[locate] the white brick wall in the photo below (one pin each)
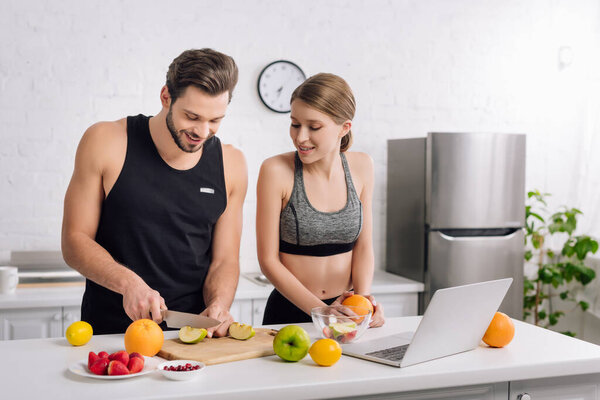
(415, 66)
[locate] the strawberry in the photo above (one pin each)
(121, 355)
(136, 354)
(100, 366)
(91, 358)
(117, 368)
(103, 354)
(136, 364)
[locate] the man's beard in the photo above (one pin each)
(177, 137)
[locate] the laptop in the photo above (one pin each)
(455, 321)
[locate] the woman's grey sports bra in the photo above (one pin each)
(307, 231)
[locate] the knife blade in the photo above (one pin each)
(178, 319)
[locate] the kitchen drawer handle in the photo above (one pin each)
(524, 396)
(68, 316)
(57, 317)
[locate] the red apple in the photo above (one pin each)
(116, 367)
(136, 364)
(92, 357)
(100, 366)
(121, 355)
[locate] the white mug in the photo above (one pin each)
(9, 278)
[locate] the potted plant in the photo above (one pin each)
(558, 272)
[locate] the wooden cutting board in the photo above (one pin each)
(221, 350)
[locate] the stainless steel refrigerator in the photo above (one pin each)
(455, 211)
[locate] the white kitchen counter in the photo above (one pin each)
(39, 369)
(61, 296)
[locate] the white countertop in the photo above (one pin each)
(64, 296)
(534, 353)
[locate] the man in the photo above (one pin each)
(153, 212)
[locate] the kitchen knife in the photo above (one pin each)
(177, 319)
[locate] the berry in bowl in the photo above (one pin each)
(181, 370)
(344, 324)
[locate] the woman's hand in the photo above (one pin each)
(342, 297)
(377, 319)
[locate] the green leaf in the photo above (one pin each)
(569, 333)
(537, 216)
(564, 295)
(526, 314)
(528, 285)
(584, 305)
(528, 255)
(542, 314)
(545, 275)
(587, 275)
(528, 302)
(553, 317)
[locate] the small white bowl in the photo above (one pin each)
(181, 375)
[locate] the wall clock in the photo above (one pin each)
(276, 83)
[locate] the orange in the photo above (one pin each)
(500, 332)
(361, 303)
(144, 336)
(325, 352)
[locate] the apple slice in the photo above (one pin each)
(190, 335)
(342, 328)
(241, 331)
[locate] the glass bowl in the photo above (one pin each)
(344, 324)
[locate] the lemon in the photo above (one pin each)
(325, 352)
(79, 333)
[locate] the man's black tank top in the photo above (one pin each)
(158, 221)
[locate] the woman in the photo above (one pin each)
(313, 219)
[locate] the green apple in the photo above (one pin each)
(190, 335)
(241, 331)
(342, 328)
(291, 343)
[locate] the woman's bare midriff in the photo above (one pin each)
(325, 277)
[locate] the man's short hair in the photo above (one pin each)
(206, 69)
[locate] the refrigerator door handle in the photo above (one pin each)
(465, 235)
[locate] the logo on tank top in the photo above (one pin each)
(207, 190)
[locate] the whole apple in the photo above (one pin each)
(291, 343)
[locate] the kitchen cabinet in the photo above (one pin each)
(34, 323)
(248, 311)
(582, 387)
(495, 391)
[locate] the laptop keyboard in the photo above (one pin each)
(391, 354)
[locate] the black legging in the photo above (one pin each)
(280, 310)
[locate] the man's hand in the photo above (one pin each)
(141, 301)
(222, 314)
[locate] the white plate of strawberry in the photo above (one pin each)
(118, 365)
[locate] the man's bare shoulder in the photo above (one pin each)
(103, 143)
(232, 153)
(106, 133)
